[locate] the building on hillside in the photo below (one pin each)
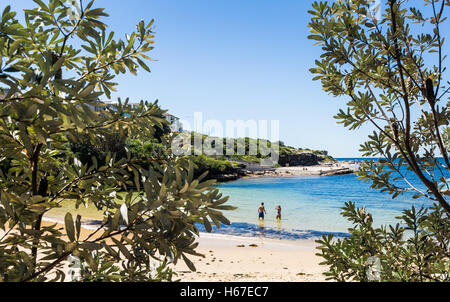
(175, 123)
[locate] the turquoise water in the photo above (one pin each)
(311, 206)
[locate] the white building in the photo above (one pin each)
(175, 123)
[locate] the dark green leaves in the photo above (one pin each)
(189, 263)
(382, 68)
(63, 149)
(417, 241)
(70, 229)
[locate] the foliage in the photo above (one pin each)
(213, 166)
(394, 80)
(415, 250)
(85, 148)
(131, 272)
(246, 149)
(147, 152)
(53, 70)
(446, 135)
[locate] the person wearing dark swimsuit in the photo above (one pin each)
(261, 211)
(278, 209)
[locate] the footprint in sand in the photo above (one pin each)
(303, 274)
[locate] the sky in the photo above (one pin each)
(234, 60)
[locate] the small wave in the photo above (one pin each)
(240, 229)
(251, 230)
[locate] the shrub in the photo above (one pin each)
(414, 250)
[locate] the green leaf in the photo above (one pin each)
(189, 263)
(78, 226)
(122, 249)
(70, 230)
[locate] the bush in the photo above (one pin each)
(214, 167)
(67, 65)
(415, 250)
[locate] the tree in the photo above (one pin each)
(395, 82)
(416, 249)
(54, 68)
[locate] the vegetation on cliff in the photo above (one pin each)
(148, 151)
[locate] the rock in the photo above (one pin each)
(300, 159)
(338, 172)
(226, 177)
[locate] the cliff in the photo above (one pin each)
(300, 159)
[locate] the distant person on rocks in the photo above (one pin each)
(278, 209)
(261, 211)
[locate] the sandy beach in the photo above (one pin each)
(320, 170)
(330, 169)
(235, 259)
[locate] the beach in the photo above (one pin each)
(335, 168)
(245, 259)
(238, 258)
(253, 251)
(324, 169)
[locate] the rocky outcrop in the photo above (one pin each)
(300, 159)
(344, 171)
(226, 177)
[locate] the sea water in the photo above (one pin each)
(311, 206)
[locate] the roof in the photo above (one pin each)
(170, 115)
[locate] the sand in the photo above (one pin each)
(236, 259)
(320, 170)
(331, 169)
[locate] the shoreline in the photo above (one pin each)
(268, 233)
(322, 170)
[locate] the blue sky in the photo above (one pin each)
(234, 60)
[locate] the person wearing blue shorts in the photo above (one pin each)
(261, 211)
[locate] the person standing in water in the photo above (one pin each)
(278, 209)
(261, 211)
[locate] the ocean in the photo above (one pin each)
(311, 206)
